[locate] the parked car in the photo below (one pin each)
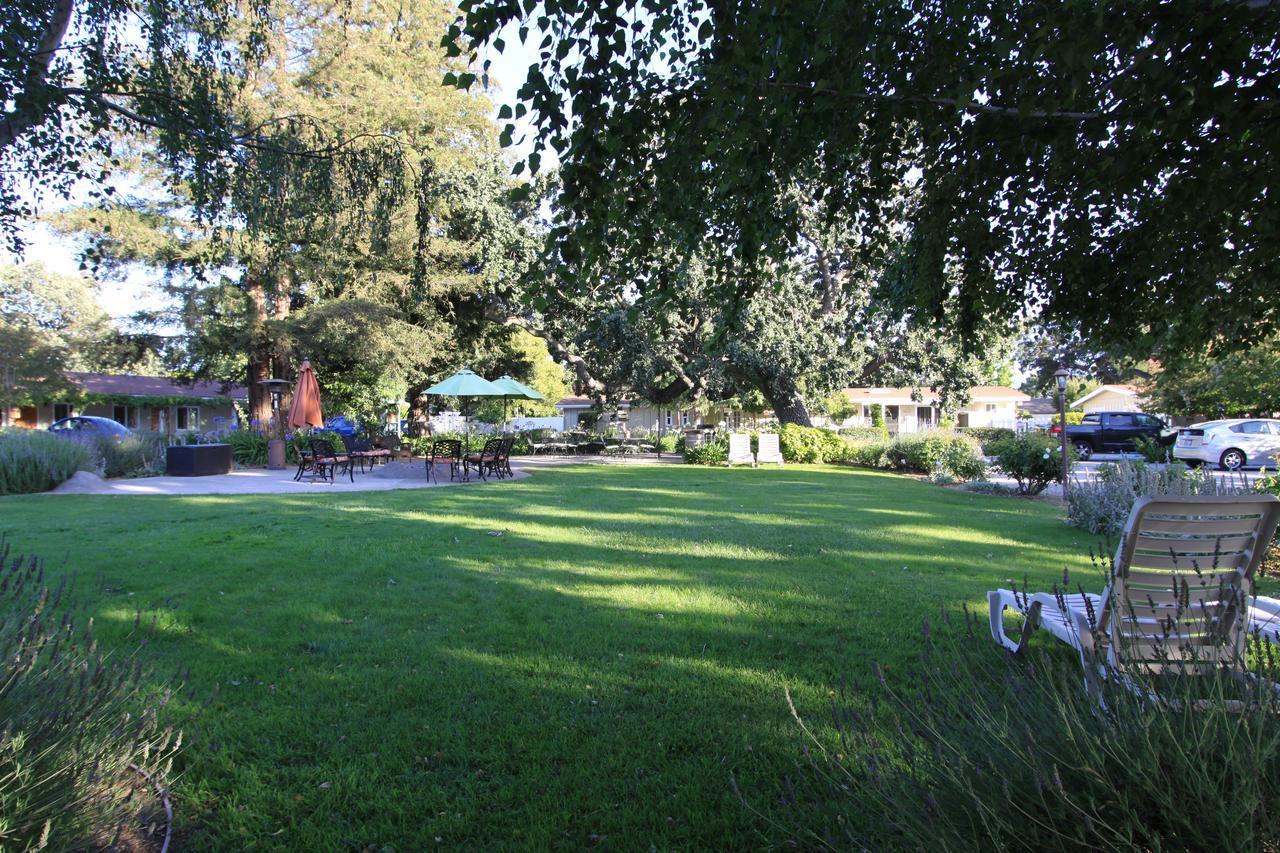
(82, 427)
(1232, 444)
(1112, 432)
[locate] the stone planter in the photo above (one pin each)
(197, 460)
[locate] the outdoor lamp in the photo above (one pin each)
(1062, 375)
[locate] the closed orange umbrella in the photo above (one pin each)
(305, 410)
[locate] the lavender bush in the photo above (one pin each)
(78, 726)
(976, 749)
(36, 461)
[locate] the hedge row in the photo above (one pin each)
(920, 453)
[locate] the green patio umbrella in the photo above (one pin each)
(514, 390)
(464, 383)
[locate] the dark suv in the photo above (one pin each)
(1112, 432)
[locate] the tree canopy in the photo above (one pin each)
(1103, 165)
(376, 269)
(74, 73)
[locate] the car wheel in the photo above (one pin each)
(1232, 460)
(1083, 449)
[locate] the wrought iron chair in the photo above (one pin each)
(328, 463)
(445, 450)
(484, 461)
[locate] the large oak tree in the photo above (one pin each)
(1105, 165)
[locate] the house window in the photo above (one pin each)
(61, 410)
(684, 419)
(125, 415)
(991, 407)
(668, 419)
(188, 417)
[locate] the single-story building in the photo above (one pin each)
(148, 403)
(1039, 411)
(988, 406)
(1110, 398)
(580, 413)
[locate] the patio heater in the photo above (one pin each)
(275, 445)
(1062, 375)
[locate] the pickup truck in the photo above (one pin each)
(1111, 432)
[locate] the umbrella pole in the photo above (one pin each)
(504, 415)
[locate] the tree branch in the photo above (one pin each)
(29, 107)
(956, 103)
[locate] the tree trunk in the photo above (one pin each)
(259, 355)
(787, 401)
(282, 359)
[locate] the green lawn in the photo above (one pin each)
(388, 671)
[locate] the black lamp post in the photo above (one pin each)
(1061, 375)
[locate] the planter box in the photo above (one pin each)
(197, 460)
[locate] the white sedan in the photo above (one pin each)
(1232, 444)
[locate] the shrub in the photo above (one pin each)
(868, 433)
(811, 445)
(36, 461)
(248, 447)
(1152, 450)
(976, 749)
(668, 442)
(77, 721)
(1033, 460)
(987, 436)
(139, 454)
(935, 451)
(1102, 506)
(714, 451)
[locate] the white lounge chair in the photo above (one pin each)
(1264, 618)
(1179, 590)
(740, 450)
(769, 450)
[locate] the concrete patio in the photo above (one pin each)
(393, 475)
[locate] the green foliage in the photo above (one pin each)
(1032, 459)
(871, 433)
(63, 313)
(811, 444)
(139, 454)
(935, 451)
(75, 718)
(1152, 450)
(1231, 385)
(1268, 483)
(248, 447)
(364, 353)
(72, 76)
(877, 415)
(530, 363)
(975, 749)
(36, 460)
(860, 94)
(714, 451)
(987, 435)
(838, 407)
